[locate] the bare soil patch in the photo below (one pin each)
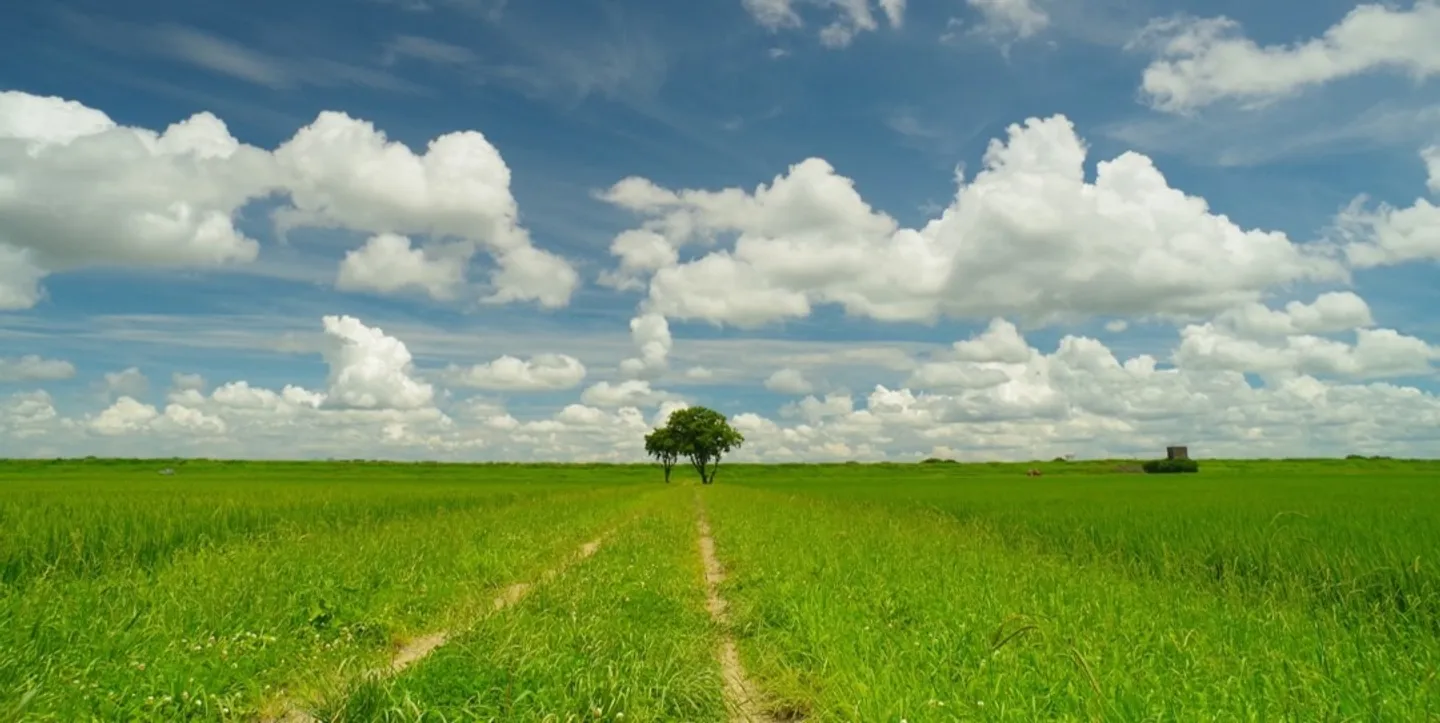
(741, 696)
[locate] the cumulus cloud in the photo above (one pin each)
(27, 416)
(369, 369)
(1202, 61)
(651, 334)
(641, 252)
(1330, 312)
(1030, 237)
(345, 173)
(849, 18)
(543, 372)
(128, 416)
(387, 264)
(32, 367)
(1386, 235)
(789, 381)
(1080, 396)
(124, 416)
(1376, 353)
(1251, 382)
(77, 190)
(629, 393)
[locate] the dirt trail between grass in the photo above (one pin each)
(742, 698)
(418, 648)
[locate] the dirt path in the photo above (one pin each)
(741, 696)
(418, 648)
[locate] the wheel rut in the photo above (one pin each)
(418, 648)
(742, 697)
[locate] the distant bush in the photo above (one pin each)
(1170, 466)
(1363, 457)
(937, 460)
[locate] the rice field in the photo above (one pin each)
(1295, 590)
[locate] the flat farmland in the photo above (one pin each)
(1268, 590)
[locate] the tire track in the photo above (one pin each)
(419, 648)
(742, 698)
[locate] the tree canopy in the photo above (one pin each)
(699, 434)
(661, 445)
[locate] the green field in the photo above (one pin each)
(1265, 591)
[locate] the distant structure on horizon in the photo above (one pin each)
(1177, 453)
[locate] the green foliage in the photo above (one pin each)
(128, 595)
(962, 594)
(663, 445)
(1170, 466)
(700, 434)
(623, 637)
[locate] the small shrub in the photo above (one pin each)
(1171, 466)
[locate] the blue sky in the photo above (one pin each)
(576, 97)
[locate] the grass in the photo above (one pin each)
(1289, 590)
(225, 620)
(624, 637)
(1258, 592)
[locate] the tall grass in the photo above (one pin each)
(268, 577)
(876, 597)
(84, 518)
(1356, 538)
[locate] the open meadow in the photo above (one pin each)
(1265, 590)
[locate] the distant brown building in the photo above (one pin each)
(1177, 453)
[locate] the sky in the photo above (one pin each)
(862, 229)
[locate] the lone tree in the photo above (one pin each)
(661, 445)
(701, 435)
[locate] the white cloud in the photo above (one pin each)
(32, 367)
(1011, 18)
(789, 381)
(1202, 61)
(128, 416)
(987, 397)
(345, 173)
(370, 370)
(1029, 237)
(387, 264)
(629, 393)
(1377, 353)
(851, 17)
(77, 190)
(641, 252)
(130, 382)
(651, 334)
(1386, 236)
(125, 416)
(26, 416)
(543, 372)
(1330, 312)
